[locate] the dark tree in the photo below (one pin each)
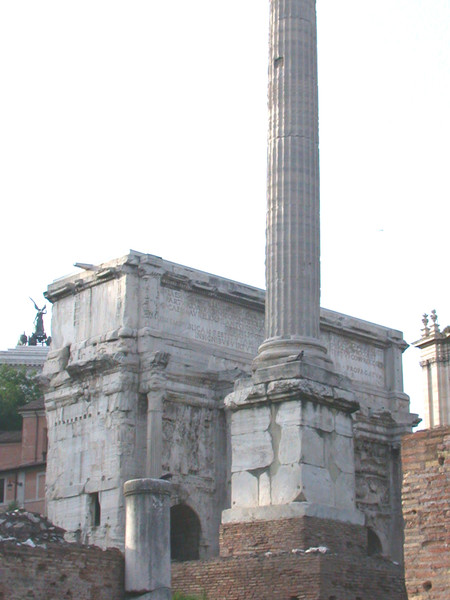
(17, 387)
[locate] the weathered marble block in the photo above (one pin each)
(289, 450)
(313, 447)
(245, 490)
(264, 489)
(341, 453)
(286, 484)
(251, 420)
(319, 417)
(293, 450)
(252, 451)
(289, 413)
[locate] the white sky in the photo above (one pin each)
(142, 124)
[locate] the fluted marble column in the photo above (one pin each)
(293, 244)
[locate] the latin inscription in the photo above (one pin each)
(358, 361)
(150, 299)
(212, 321)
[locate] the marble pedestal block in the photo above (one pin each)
(147, 538)
(292, 446)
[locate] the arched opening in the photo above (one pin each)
(184, 533)
(374, 547)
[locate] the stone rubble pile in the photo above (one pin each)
(29, 529)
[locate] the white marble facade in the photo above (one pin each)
(140, 330)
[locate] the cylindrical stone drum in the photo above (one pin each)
(147, 538)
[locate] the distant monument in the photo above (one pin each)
(38, 336)
(434, 346)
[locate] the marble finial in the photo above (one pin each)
(425, 329)
(435, 328)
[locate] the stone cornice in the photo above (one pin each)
(435, 340)
(74, 285)
(176, 276)
(382, 427)
(442, 359)
(364, 331)
(292, 389)
(250, 297)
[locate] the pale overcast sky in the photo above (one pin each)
(142, 124)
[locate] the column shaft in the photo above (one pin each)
(154, 434)
(293, 244)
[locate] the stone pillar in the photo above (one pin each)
(153, 384)
(154, 433)
(147, 539)
(293, 244)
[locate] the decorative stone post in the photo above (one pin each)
(147, 538)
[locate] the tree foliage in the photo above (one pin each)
(17, 387)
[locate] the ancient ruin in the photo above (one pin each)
(269, 434)
(142, 334)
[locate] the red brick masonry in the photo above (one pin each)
(288, 576)
(426, 511)
(61, 572)
(257, 562)
(88, 573)
(288, 534)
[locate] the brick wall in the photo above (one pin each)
(287, 576)
(60, 572)
(72, 572)
(261, 560)
(287, 534)
(426, 511)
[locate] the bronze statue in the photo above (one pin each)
(23, 339)
(39, 334)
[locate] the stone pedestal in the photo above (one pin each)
(292, 446)
(147, 538)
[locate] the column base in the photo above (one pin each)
(292, 348)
